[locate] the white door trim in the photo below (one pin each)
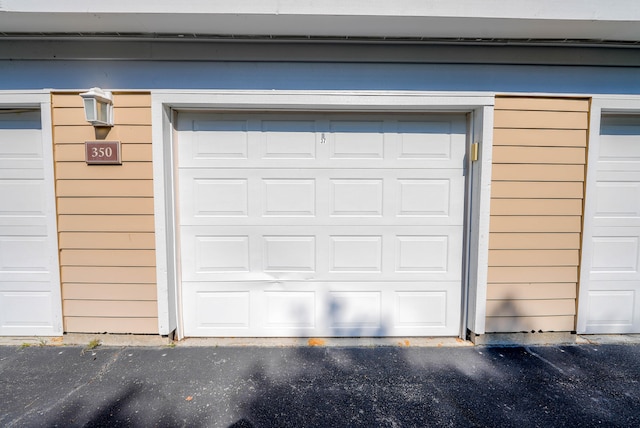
(41, 100)
(599, 105)
(480, 105)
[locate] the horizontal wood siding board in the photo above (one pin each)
(531, 291)
(120, 99)
(536, 224)
(108, 258)
(111, 308)
(530, 324)
(537, 172)
(527, 274)
(536, 189)
(528, 308)
(106, 223)
(97, 188)
(540, 119)
(74, 134)
(536, 207)
(130, 152)
(68, 100)
(108, 274)
(131, 115)
(131, 99)
(69, 116)
(542, 103)
(539, 155)
(105, 205)
(534, 241)
(92, 291)
(534, 257)
(540, 137)
(132, 325)
(121, 116)
(107, 241)
(126, 171)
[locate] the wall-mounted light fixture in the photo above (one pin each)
(98, 107)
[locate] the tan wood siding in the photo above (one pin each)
(117, 274)
(105, 218)
(130, 152)
(94, 324)
(106, 223)
(97, 188)
(536, 207)
(135, 134)
(542, 190)
(539, 137)
(112, 241)
(82, 171)
(535, 155)
(111, 308)
(532, 291)
(541, 103)
(536, 223)
(536, 213)
(530, 324)
(534, 241)
(105, 205)
(534, 257)
(91, 291)
(108, 258)
(524, 172)
(540, 119)
(121, 115)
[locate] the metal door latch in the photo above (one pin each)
(474, 151)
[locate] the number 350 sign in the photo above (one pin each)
(102, 152)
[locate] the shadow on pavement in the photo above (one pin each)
(246, 387)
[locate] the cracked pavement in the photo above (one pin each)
(535, 386)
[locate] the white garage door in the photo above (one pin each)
(29, 279)
(610, 303)
(321, 225)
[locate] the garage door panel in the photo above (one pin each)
(228, 252)
(26, 197)
(612, 308)
(29, 279)
(18, 169)
(615, 254)
(321, 224)
(24, 258)
(610, 300)
(26, 312)
(310, 309)
(233, 141)
(617, 205)
(20, 142)
(264, 196)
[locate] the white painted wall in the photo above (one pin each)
(545, 19)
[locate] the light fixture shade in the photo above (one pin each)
(98, 107)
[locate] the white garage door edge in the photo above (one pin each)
(600, 105)
(41, 100)
(164, 104)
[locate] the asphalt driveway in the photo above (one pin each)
(551, 386)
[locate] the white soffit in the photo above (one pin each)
(508, 19)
